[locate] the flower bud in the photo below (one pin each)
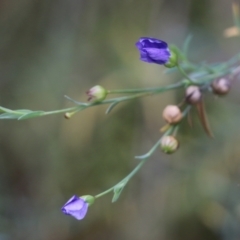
(172, 62)
(156, 51)
(68, 115)
(75, 207)
(97, 93)
(221, 86)
(193, 95)
(88, 199)
(169, 144)
(172, 114)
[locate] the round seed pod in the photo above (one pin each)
(169, 144)
(172, 114)
(221, 86)
(193, 95)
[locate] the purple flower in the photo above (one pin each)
(75, 207)
(153, 50)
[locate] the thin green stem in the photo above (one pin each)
(137, 168)
(146, 90)
(72, 109)
(156, 145)
(137, 93)
(126, 179)
(185, 74)
(203, 76)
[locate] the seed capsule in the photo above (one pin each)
(172, 114)
(193, 95)
(169, 144)
(221, 86)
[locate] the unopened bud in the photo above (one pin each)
(169, 144)
(193, 95)
(221, 86)
(97, 93)
(68, 115)
(172, 114)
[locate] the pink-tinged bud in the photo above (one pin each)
(97, 93)
(169, 144)
(221, 86)
(172, 114)
(193, 95)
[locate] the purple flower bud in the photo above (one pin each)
(75, 207)
(153, 50)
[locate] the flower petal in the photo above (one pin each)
(153, 50)
(75, 207)
(160, 56)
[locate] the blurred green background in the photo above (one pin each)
(50, 48)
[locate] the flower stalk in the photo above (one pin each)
(196, 80)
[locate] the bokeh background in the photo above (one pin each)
(50, 48)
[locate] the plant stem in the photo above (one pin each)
(126, 179)
(185, 74)
(138, 167)
(150, 90)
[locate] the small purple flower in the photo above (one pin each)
(153, 50)
(75, 207)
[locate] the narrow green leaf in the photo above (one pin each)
(111, 106)
(118, 190)
(74, 101)
(22, 111)
(9, 116)
(3, 109)
(186, 44)
(31, 115)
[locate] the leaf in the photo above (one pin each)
(3, 109)
(109, 109)
(186, 44)
(23, 111)
(31, 115)
(118, 190)
(20, 114)
(76, 102)
(9, 116)
(20, 111)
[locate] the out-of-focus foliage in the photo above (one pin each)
(54, 47)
